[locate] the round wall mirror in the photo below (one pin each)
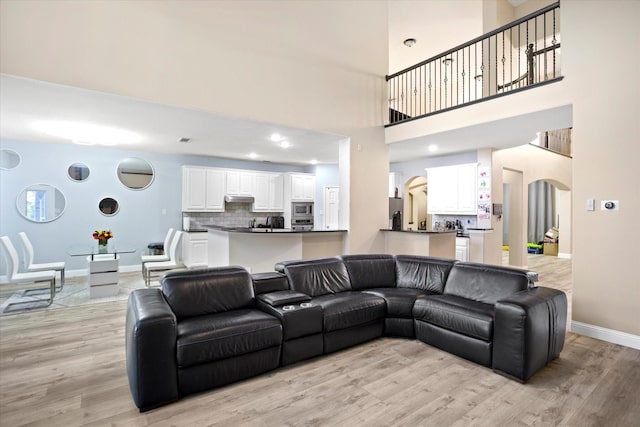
(78, 172)
(135, 173)
(41, 203)
(109, 206)
(9, 159)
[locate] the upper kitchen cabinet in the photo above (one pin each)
(240, 183)
(268, 189)
(452, 190)
(203, 189)
(301, 187)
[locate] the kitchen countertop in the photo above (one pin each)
(248, 230)
(420, 231)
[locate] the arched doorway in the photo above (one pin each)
(415, 204)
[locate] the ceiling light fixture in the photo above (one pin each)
(275, 137)
(410, 42)
(432, 148)
(478, 77)
(313, 162)
(252, 155)
(285, 144)
(184, 139)
(447, 61)
(87, 133)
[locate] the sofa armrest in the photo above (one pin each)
(528, 332)
(151, 349)
(278, 298)
(269, 282)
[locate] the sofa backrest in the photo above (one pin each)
(485, 283)
(207, 291)
(370, 271)
(316, 277)
(423, 272)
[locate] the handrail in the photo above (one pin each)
(477, 39)
(480, 69)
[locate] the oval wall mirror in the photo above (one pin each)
(41, 203)
(108, 206)
(135, 173)
(78, 172)
(9, 159)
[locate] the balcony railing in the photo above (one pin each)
(518, 56)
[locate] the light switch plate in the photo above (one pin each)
(591, 204)
(610, 205)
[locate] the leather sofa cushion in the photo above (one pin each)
(370, 271)
(207, 291)
(471, 318)
(485, 283)
(422, 272)
(399, 300)
(316, 277)
(218, 336)
(348, 309)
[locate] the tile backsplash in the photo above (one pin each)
(468, 221)
(235, 215)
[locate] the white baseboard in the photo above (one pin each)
(564, 255)
(604, 334)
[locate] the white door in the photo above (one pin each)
(331, 208)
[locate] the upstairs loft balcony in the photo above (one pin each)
(519, 56)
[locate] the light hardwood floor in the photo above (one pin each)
(66, 367)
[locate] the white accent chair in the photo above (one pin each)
(30, 266)
(159, 258)
(29, 277)
(154, 267)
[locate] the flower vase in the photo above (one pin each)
(102, 246)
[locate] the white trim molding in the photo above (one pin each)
(604, 334)
(564, 255)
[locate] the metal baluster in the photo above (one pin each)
(544, 23)
(553, 42)
(511, 58)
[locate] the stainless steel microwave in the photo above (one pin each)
(302, 209)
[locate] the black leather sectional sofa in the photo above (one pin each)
(210, 327)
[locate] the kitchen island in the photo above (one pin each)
(259, 249)
(431, 243)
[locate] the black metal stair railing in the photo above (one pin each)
(518, 56)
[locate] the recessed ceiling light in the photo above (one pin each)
(184, 139)
(87, 133)
(285, 144)
(409, 42)
(313, 162)
(275, 137)
(432, 148)
(252, 155)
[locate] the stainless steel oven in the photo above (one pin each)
(302, 216)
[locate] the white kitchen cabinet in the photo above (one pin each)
(240, 183)
(195, 249)
(452, 190)
(268, 192)
(462, 248)
(302, 187)
(203, 189)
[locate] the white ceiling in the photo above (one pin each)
(25, 101)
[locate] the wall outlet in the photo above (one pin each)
(610, 205)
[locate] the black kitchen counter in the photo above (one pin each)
(258, 230)
(419, 231)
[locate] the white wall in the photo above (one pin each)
(317, 65)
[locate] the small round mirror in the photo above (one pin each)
(41, 203)
(9, 159)
(109, 206)
(78, 172)
(135, 173)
